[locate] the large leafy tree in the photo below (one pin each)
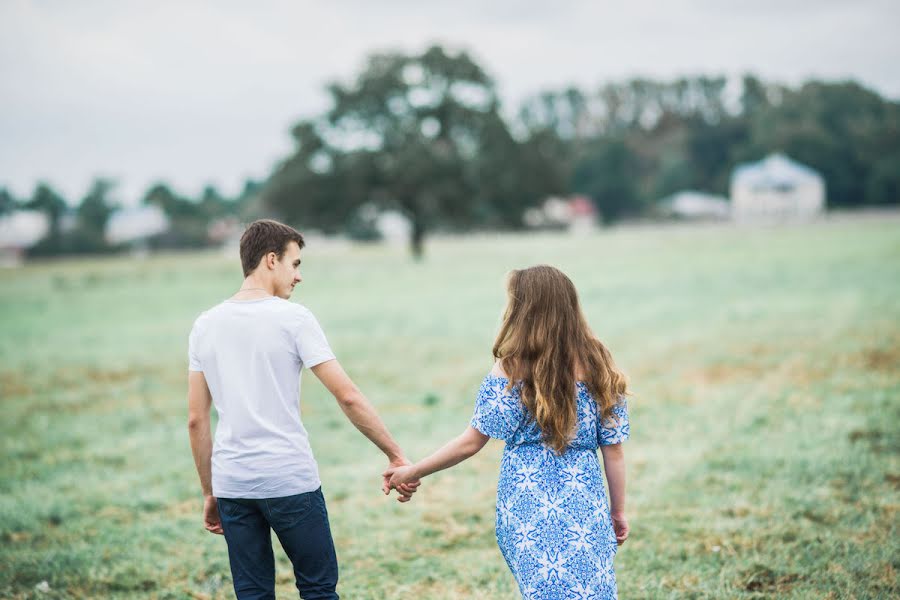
(421, 133)
(317, 184)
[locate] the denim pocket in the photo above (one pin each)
(288, 511)
(227, 507)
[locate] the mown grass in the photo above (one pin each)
(765, 450)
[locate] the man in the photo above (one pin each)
(245, 356)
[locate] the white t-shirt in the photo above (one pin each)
(251, 354)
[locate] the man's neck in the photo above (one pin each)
(253, 287)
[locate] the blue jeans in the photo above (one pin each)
(301, 524)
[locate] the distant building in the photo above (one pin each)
(583, 214)
(19, 231)
(695, 206)
(576, 213)
(776, 189)
(135, 225)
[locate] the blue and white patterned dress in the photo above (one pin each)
(553, 522)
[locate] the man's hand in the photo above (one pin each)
(407, 489)
(398, 477)
(211, 520)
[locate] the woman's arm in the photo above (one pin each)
(614, 467)
(465, 445)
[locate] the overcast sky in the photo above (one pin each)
(197, 92)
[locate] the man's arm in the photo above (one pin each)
(363, 416)
(199, 404)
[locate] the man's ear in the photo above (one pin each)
(271, 259)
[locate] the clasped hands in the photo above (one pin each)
(400, 476)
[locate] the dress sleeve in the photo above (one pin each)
(616, 429)
(498, 412)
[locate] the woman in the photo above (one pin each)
(554, 395)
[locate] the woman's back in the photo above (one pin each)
(502, 410)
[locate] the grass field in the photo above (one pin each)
(765, 451)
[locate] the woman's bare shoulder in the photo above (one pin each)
(497, 369)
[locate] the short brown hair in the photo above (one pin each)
(264, 236)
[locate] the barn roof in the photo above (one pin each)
(774, 171)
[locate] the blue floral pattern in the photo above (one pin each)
(553, 523)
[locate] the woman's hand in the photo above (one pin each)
(399, 476)
(620, 526)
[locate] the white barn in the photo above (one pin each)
(776, 189)
(20, 230)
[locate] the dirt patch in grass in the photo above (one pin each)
(185, 508)
(877, 440)
(885, 360)
(761, 578)
(12, 383)
(97, 375)
(716, 374)
(27, 382)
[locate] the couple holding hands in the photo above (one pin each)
(554, 396)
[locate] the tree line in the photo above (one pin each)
(425, 134)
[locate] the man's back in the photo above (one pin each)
(260, 476)
(251, 353)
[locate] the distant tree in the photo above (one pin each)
(96, 206)
(566, 113)
(607, 174)
(187, 222)
(755, 95)
(214, 205)
(8, 202)
(161, 195)
(46, 200)
(711, 152)
(88, 235)
(883, 182)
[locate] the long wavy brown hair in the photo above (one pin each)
(544, 344)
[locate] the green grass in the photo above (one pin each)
(765, 451)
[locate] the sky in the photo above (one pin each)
(197, 92)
